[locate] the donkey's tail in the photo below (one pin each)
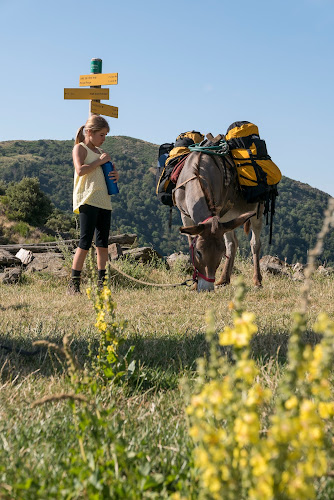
(247, 226)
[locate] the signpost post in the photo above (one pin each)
(95, 93)
(95, 68)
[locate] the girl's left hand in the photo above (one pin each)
(114, 174)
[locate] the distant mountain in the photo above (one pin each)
(299, 207)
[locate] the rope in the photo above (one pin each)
(221, 149)
(150, 284)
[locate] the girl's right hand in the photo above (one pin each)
(104, 158)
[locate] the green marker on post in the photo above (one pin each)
(96, 66)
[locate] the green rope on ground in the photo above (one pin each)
(221, 149)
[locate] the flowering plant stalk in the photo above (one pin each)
(239, 453)
(110, 364)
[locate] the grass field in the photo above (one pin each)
(138, 446)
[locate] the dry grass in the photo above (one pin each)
(42, 309)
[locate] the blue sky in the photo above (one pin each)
(182, 65)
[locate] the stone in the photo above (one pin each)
(115, 251)
(144, 254)
(48, 262)
(11, 275)
(273, 265)
(7, 259)
(180, 261)
(325, 271)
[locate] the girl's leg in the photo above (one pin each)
(101, 237)
(101, 240)
(102, 257)
(79, 259)
(88, 216)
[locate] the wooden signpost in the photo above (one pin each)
(98, 79)
(86, 93)
(103, 109)
(95, 93)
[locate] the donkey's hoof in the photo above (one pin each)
(221, 283)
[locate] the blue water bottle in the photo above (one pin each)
(111, 183)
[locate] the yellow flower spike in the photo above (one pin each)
(307, 354)
(259, 464)
(326, 410)
(246, 369)
(323, 323)
(225, 473)
(226, 337)
(194, 432)
(291, 403)
(307, 409)
(257, 395)
(201, 457)
(318, 353)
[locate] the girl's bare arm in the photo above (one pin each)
(79, 155)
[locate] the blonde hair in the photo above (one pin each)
(94, 124)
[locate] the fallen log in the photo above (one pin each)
(55, 246)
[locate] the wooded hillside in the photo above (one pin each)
(299, 210)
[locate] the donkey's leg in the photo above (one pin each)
(231, 244)
(255, 244)
(187, 221)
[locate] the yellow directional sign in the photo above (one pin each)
(98, 79)
(86, 93)
(104, 109)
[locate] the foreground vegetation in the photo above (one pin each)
(80, 421)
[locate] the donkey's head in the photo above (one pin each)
(208, 247)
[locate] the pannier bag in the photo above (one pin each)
(169, 156)
(258, 175)
(162, 180)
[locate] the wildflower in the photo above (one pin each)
(247, 428)
(246, 370)
(326, 410)
(323, 324)
(291, 403)
(242, 332)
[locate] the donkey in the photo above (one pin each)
(211, 205)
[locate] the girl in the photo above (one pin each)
(90, 196)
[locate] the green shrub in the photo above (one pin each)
(26, 202)
(22, 228)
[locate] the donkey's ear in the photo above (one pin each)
(192, 230)
(238, 221)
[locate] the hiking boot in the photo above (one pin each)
(74, 286)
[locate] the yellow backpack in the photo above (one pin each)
(196, 137)
(258, 175)
(181, 144)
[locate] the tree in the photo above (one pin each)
(25, 201)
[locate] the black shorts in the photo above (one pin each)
(94, 219)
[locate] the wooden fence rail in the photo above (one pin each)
(55, 246)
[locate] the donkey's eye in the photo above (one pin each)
(198, 254)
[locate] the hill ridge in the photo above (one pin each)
(297, 221)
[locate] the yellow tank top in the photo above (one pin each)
(90, 189)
